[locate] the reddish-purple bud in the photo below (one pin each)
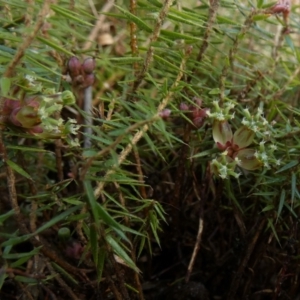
(74, 66)
(88, 65)
(74, 250)
(89, 80)
(198, 116)
(9, 106)
(197, 101)
(165, 113)
(279, 8)
(184, 107)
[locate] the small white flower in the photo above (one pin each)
(264, 156)
(220, 116)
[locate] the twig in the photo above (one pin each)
(112, 145)
(140, 173)
(196, 249)
(148, 59)
(133, 37)
(212, 14)
(233, 50)
(141, 132)
(29, 12)
(201, 199)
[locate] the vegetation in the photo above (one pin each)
(149, 150)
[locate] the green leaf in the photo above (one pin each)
(179, 36)
(6, 215)
(20, 255)
(92, 200)
(54, 46)
(260, 17)
(281, 203)
(18, 169)
(70, 15)
(99, 212)
(288, 166)
(121, 252)
(165, 63)
(131, 17)
(215, 91)
(23, 148)
(56, 219)
(111, 222)
(64, 273)
(271, 225)
(101, 261)
(17, 240)
(5, 84)
(260, 3)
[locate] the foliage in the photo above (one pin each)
(126, 127)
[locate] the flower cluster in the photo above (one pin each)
(234, 146)
(195, 113)
(81, 74)
(36, 114)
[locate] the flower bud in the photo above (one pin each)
(88, 65)
(198, 116)
(74, 250)
(183, 106)
(74, 66)
(88, 80)
(165, 113)
(197, 101)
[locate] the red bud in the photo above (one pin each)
(74, 66)
(88, 65)
(88, 80)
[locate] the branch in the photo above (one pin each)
(144, 129)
